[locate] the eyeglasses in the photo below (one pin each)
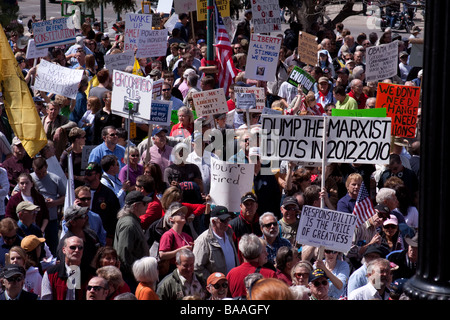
(96, 288)
(15, 279)
(291, 209)
(134, 155)
(76, 247)
(301, 275)
(330, 251)
(318, 283)
(164, 90)
(218, 285)
(85, 199)
(271, 224)
(112, 134)
(390, 226)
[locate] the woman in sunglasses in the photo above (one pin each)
(337, 271)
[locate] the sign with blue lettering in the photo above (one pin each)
(262, 58)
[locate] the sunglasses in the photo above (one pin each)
(330, 251)
(318, 283)
(96, 288)
(164, 90)
(218, 285)
(271, 224)
(85, 199)
(76, 247)
(300, 275)
(134, 155)
(15, 279)
(390, 226)
(112, 134)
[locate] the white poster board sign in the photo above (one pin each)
(164, 6)
(322, 227)
(266, 16)
(262, 58)
(54, 32)
(33, 52)
(152, 43)
(349, 139)
(119, 61)
(382, 61)
(53, 78)
(170, 23)
(229, 182)
(210, 102)
(259, 94)
(134, 22)
(186, 6)
(129, 88)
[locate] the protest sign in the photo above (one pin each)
(376, 112)
(229, 181)
(300, 76)
(57, 79)
(332, 230)
(146, 7)
(187, 6)
(202, 9)
(381, 61)
(164, 6)
(54, 32)
(210, 102)
(307, 48)
(349, 140)
(266, 16)
(152, 43)
(33, 52)
(129, 88)
(416, 56)
(402, 105)
(245, 101)
(170, 23)
(157, 89)
(259, 94)
(119, 61)
(262, 58)
(160, 112)
(134, 22)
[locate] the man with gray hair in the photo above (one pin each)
(271, 233)
(251, 249)
(387, 198)
(356, 92)
(371, 103)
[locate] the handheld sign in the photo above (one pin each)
(160, 112)
(54, 32)
(152, 43)
(307, 48)
(259, 94)
(229, 181)
(33, 52)
(134, 22)
(262, 58)
(210, 102)
(376, 112)
(57, 79)
(119, 61)
(164, 6)
(181, 6)
(202, 10)
(326, 228)
(245, 101)
(402, 105)
(300, 76)
(382, 61)
(266, 16)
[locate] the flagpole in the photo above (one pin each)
(322, 182)
(210, 33)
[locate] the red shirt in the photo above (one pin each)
(231, 105)
(236, 277)
(361, 100)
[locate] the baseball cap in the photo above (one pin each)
(16, 141)
(221, 212)
(316, 274)
(323, 79)
(26, 205)
(289, 200)
(215, 277)
(201, 41)
(73, 212)
(93, 166)
(392, 220)
(11, 270)
(249, 196)
(382, 209)
(136, 196)
(29, 243)
(158, 130)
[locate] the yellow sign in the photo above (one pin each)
(202, 8)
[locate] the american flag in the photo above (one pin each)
(224, 53)
(363, 207)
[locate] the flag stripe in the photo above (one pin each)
(363, 207)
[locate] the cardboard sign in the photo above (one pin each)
(402, 105)
(152, 43)
(33, 52)
(164, 6)
(134, 91)
(119, 61)
(377, 113)
(382, 61)
(349, 140)
(300, 76)
(266, 16)
(202, 10)
(321, 227)
(186, 6)
(53, 78)
(210, 102)
(160, 112)
(307, 48)
(134, 22)
(54, 32)
(229, 182)
(262, 58)
(259, 94)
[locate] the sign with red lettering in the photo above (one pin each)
(134, 22)
(402, 104)
(266, 16)
(262, 58)
(54, 32)
(210, 102)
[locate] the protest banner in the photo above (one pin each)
(134, 22)
(210, 102)
(330, 229)
(376, 112)
(402, 105)
(349, 140)
(262, 58)
(202, 9)
(131, 89)
(187, 6)
(57, 79)
(152, 43)
(259, 94)
(266, 16)
(381, 61)
(164, 6)
(229, 181)
(307, 48)
(54, 32)
(160, 112)
(33, 52)
(119, 61)
(300, 76)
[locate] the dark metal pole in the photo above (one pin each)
(102, 18)
(43, 10)
(432, 278)
(210, 33)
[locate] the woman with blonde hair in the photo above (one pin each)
(33, 279)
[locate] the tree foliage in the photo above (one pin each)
(118, 5)
(9, 11)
